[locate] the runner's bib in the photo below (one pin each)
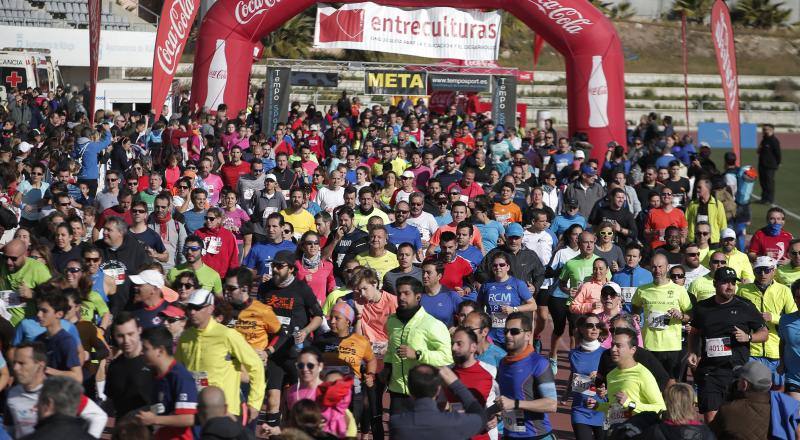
(248, 193)
(581, 382)
(200, 379)
(616, 414)
(514, 420)
(379, 348)
(627, 293)
(718, 347)
(499, 319)
(285, 320)
(657, 320)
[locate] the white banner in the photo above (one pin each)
(467, 34)
(70, 47)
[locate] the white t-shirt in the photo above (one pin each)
(328, 198)
(425, 224)
(541, 243)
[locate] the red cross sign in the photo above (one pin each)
(14, 78)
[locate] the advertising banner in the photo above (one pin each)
(315, 79)
(459, 83)
(94, 53)
(722, 35)
(277, 93)
(395, 82)
(469, 34)
(504, 101)
(173, 31)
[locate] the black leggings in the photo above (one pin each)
(588, 432)
(559, 311)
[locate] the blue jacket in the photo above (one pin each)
(86, 151)
(783, 416)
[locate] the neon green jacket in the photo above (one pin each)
(716, 218)
(777, 300)
(422, 332)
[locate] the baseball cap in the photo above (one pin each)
(725, 274)
(705, 144)
(284, 257)
(314, 127)
(151, 277)
(757, 374)
(201, 298)
(500, 128)
(271, 177)
(612, 144)
(514, 230)
(765, 261)
(173, 312)
(441, 197)
(36, 132)
(586, 169)
(727, 233)
(24, 147)
(570, 202)
(409, 174)
(611, 286)
(580, 154)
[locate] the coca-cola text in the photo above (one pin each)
(721, 39)
(217, 74)
(570, 19)
(168, 52)
(246, 10)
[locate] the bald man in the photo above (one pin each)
(666, 306)
(217, 422)
(20, 274)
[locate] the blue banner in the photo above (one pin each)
(718, 134)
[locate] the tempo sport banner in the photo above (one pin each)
(468, 34)
(277, 102)
(722, 35)
(395, 82)
(450, 82)
(504, 101)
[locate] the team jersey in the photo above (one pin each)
(176, 390)
(508, 213)
(512, 292)
(660, 331)
(256, 323)
(527, 376)
(344, 354)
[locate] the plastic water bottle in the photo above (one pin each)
(298, 346)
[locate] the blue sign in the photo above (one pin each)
(718, 134)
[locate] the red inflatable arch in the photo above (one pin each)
(582, 34)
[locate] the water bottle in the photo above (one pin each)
(298, 346)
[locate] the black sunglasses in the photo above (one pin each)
(514, 331)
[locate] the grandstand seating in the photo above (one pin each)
(56, 13)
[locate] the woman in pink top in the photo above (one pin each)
(235, 216)
(587, 300)
(611, 297)
(311, 268)
(309, 367)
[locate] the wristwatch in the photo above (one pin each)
(418, 354)
(516, 404)
(631, 405)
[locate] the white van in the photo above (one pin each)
(23, 68)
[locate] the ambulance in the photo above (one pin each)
(23, 68)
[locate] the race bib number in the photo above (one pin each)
(379, 348)
(677, 200)
(285, 193)
(463, 198)
(616, 414)
(514, 420)
(117, 273)
(718, 347)
(248, 193)
(214, 245)
(581, 383)
(10, 298)
(627, 293)
(268, 212)
(210, 189)
(284, 320)
(499, 319)
(657, 320)
(200, 379)
(702, 218)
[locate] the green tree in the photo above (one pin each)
(621, 11)
(762, 14)
(292, 40)
(696, 10)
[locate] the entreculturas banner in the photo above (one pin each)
(468, 34)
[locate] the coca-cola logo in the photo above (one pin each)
(246, 10)
(570, 19)
(721, 40)
(179, 22)
(218, 74)
(597, 91)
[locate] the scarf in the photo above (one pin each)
(288, 281)
(590, 346)
(311, 263)
(162, 225)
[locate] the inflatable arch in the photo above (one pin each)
(232, 29)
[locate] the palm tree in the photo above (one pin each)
(292, 40)
(763, 14)
(696, 10)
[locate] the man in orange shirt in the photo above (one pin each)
(459, 213)
(659, 219)
(255, 320)
(506, 211)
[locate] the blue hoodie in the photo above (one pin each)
(86, 151)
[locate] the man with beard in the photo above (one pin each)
(250, 184)
(299, 313)
(415, 338)
(691, 262)
(261, 254)
(672, 248)
(169, 228)
(367, 209)
(421, 219)
(477, 376)
(723, 329)
(342, 237)
(122, 255)
(735, 258)
(648, 185)
(255, 320)
(300, 218)
(450, 174)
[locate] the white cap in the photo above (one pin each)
(24, 147)
(580, 154)
(613, 286)
(201, 298)
(765, 261)
(408, 173)
(705, 144)
(314, 127)
(151, 277)
(727, 233)
(271, 177)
